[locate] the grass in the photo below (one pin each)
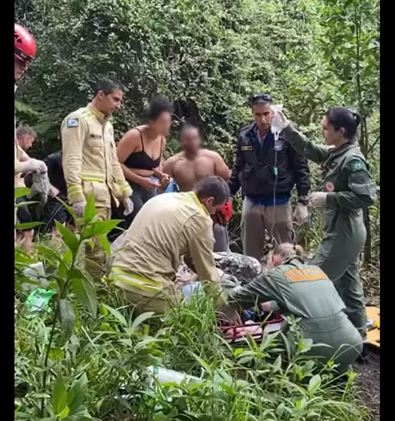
(266, 381)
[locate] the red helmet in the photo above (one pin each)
(224, 213)
(24, 44)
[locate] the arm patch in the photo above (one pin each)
(72, 122)
(356, 165)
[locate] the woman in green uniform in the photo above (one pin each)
(347, 189)
(306, 292)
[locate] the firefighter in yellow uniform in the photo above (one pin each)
(169, 226)
(90, 163)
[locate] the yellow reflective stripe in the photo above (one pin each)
(134, 280)
(149, 281)
(125, 188)
(92, 178)
(75, 192)
(74, 188)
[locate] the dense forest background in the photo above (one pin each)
(209, 57)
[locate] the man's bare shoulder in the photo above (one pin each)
(210, 154)
(175, 158)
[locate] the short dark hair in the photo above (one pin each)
(343, 117)
(25, 130)
(157, 106)
(261, 99)
(212, 186)
(186, 127)
(107, 86)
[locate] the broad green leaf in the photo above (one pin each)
(300, 403)
(59, 395)
(66, 316)
(66, 262)
(21, 191)
(76, 394)
(86, 292)
(100, 228)
(115, 313)
(64, 414)
(27, 225)
(105, 244)
(277, 364)
(69, 238)
(49, 253)
(314, 384)
(141, 319)
(90, 210)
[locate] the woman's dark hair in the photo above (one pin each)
(158, 106)
(343, 117)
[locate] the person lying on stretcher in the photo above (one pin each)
(295, 288)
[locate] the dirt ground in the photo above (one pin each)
(368, 383)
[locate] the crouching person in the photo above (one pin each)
(307, 293)
(168, 227)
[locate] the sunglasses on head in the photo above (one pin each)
(262, 97)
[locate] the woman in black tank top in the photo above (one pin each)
(140, 153)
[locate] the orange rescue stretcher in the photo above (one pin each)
(373, 325)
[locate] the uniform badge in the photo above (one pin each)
(246, 148)
(329, 186)
(72, 122)
(356, 166)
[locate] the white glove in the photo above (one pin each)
(318, 199)
(128, 206)
(301, 213)
(79, 208)
(279, 121)
(34, 165)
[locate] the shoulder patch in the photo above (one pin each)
(356, 165)
(72, 122)
(303, 274)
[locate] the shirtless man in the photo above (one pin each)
(193, 164)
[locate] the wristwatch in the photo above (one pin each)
(304, 200)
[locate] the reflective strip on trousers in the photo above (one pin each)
(135, 281)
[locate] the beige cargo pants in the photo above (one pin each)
(255, 219)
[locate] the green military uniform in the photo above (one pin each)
(91, 166)
(350, 188)
(306, 292)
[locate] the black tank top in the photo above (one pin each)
(140, 160)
